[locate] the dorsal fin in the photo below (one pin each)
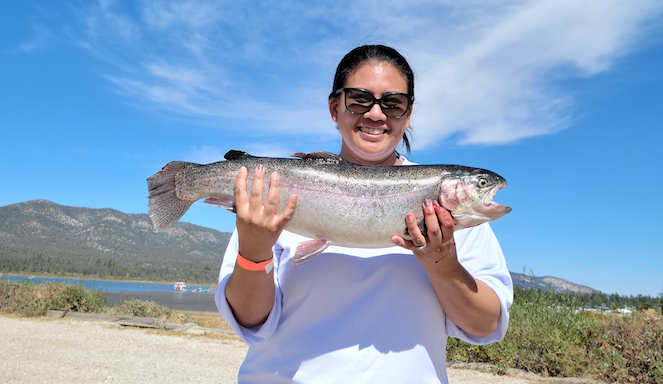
(320, 156)
(235, 154)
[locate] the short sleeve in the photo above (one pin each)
(481, 255)
(265, 330)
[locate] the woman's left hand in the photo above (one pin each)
(437, 247)
(468, 302)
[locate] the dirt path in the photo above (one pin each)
(64, 351)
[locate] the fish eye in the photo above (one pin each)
(483, 183)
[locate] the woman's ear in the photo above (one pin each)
(333, 109)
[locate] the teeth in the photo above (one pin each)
(372, 131)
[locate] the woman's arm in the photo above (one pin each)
(469, 302)
(251, 293)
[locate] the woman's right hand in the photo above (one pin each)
(259, 225)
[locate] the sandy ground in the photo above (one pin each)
(65, 351)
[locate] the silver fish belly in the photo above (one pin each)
(338, 202)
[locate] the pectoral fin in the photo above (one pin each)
(309, 249)
(221, 203)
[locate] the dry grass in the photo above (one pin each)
(208, 319)
(552, 338)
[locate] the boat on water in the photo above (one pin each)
(180, 286)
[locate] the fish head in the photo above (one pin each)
(468, 196)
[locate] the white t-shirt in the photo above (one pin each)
(353, 315)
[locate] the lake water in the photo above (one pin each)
(113, 286)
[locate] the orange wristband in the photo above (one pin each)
(249, 265)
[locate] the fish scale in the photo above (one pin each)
(338, 202)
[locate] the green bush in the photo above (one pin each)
(27, 299)
(550, 336)
(135, 307)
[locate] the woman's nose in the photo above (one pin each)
(375, 113)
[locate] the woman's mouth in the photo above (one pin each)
(372, 131)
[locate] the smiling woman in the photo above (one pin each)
(361, 315)
(370, 135)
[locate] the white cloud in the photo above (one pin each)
(500, 86)
(486, 70)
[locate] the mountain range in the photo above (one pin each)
(39, 236)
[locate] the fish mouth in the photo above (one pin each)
(372, 131)
(491, 207)
(490, 195)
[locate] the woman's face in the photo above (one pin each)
(371, 138)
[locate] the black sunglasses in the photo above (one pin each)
(359, 101)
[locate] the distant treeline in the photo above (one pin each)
(595, 299)
(27, 260)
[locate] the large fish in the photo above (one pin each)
(338, 202)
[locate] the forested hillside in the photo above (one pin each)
(43, 237)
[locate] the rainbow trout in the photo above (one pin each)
(338, 202)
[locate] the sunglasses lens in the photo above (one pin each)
(360, 102)
(394, 105)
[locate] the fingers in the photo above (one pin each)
(398, 240)
(241, 199)
(255, 201)
(253, 206)
(273, 199)
(417, 237)
(289, 208)
(272, 195)
(258, 224)
(432, 224)
(438, 228)
(446, 222)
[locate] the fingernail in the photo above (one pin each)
(409, 218)
(435, 203)
(261, 167)
(275, 176)
(242, 169)
(426, 203)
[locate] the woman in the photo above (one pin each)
(360, 315)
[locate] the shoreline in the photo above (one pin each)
(88, 277)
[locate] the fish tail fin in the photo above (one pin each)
(165, 208)
(306, 250)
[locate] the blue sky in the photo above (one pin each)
(564, 98)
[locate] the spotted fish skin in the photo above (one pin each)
(338, 202)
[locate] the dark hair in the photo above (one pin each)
(378, 53)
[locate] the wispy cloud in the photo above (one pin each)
(487, 71)
(500, 87)
(38, 41)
